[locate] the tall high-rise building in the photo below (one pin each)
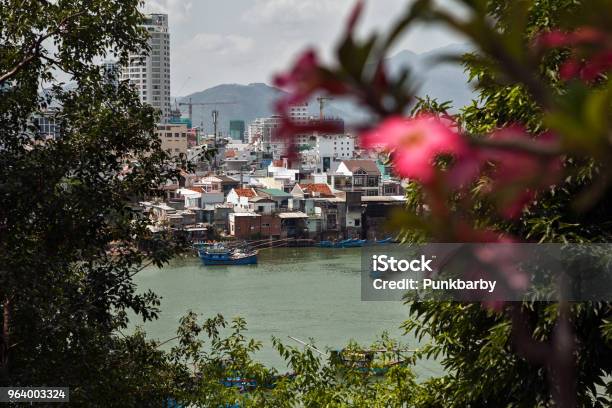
(151, 73)
(237, 129)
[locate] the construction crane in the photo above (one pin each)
(321, 100)
(215, 117)
(192, 104)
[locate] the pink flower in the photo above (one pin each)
(585, 63)
(415, 143)
(597, 65)
(304, 79)
(570, 69)
(554, 39)
(559, 38)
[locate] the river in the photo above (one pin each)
(300, 292)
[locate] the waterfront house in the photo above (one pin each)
(219, 216)
(293, 224)
(353, 216)
(326, 210)
(243, 225)
(249, 225)
(376, 212)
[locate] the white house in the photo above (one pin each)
(239, 198)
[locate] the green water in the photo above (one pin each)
(301, 292)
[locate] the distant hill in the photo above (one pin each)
(252, 101)
(442, 81)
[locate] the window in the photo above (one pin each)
(357, 223)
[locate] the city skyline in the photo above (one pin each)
(212, 43)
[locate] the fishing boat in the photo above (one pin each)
(365, 361)
(384, 241)
(352, 243)
(374, 362)
(325, 244)
(221, 255)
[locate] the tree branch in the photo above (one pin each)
(521, 146)
(34, 50)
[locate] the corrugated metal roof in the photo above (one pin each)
(292, 215)
(383, 199)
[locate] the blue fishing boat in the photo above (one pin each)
(352, 243)
(347, 243)
(221, 255)
(384, 241)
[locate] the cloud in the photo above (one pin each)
(289, 12)
(177, 10)
(219, 44)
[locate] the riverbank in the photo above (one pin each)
(300, 292)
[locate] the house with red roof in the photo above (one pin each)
(312, 190)
(239, 198)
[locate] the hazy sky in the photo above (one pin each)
(243, 41)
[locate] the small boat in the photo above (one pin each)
(243, 384)
(347, 243)
(352, 243)
(325, 244)
(384, 241)
(221, 255)
(364, 361)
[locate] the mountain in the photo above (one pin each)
(442, 81)
(251, 101)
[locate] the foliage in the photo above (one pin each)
(70, 239)
(528, 160)
(533, 166)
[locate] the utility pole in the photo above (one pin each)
(215, 117)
